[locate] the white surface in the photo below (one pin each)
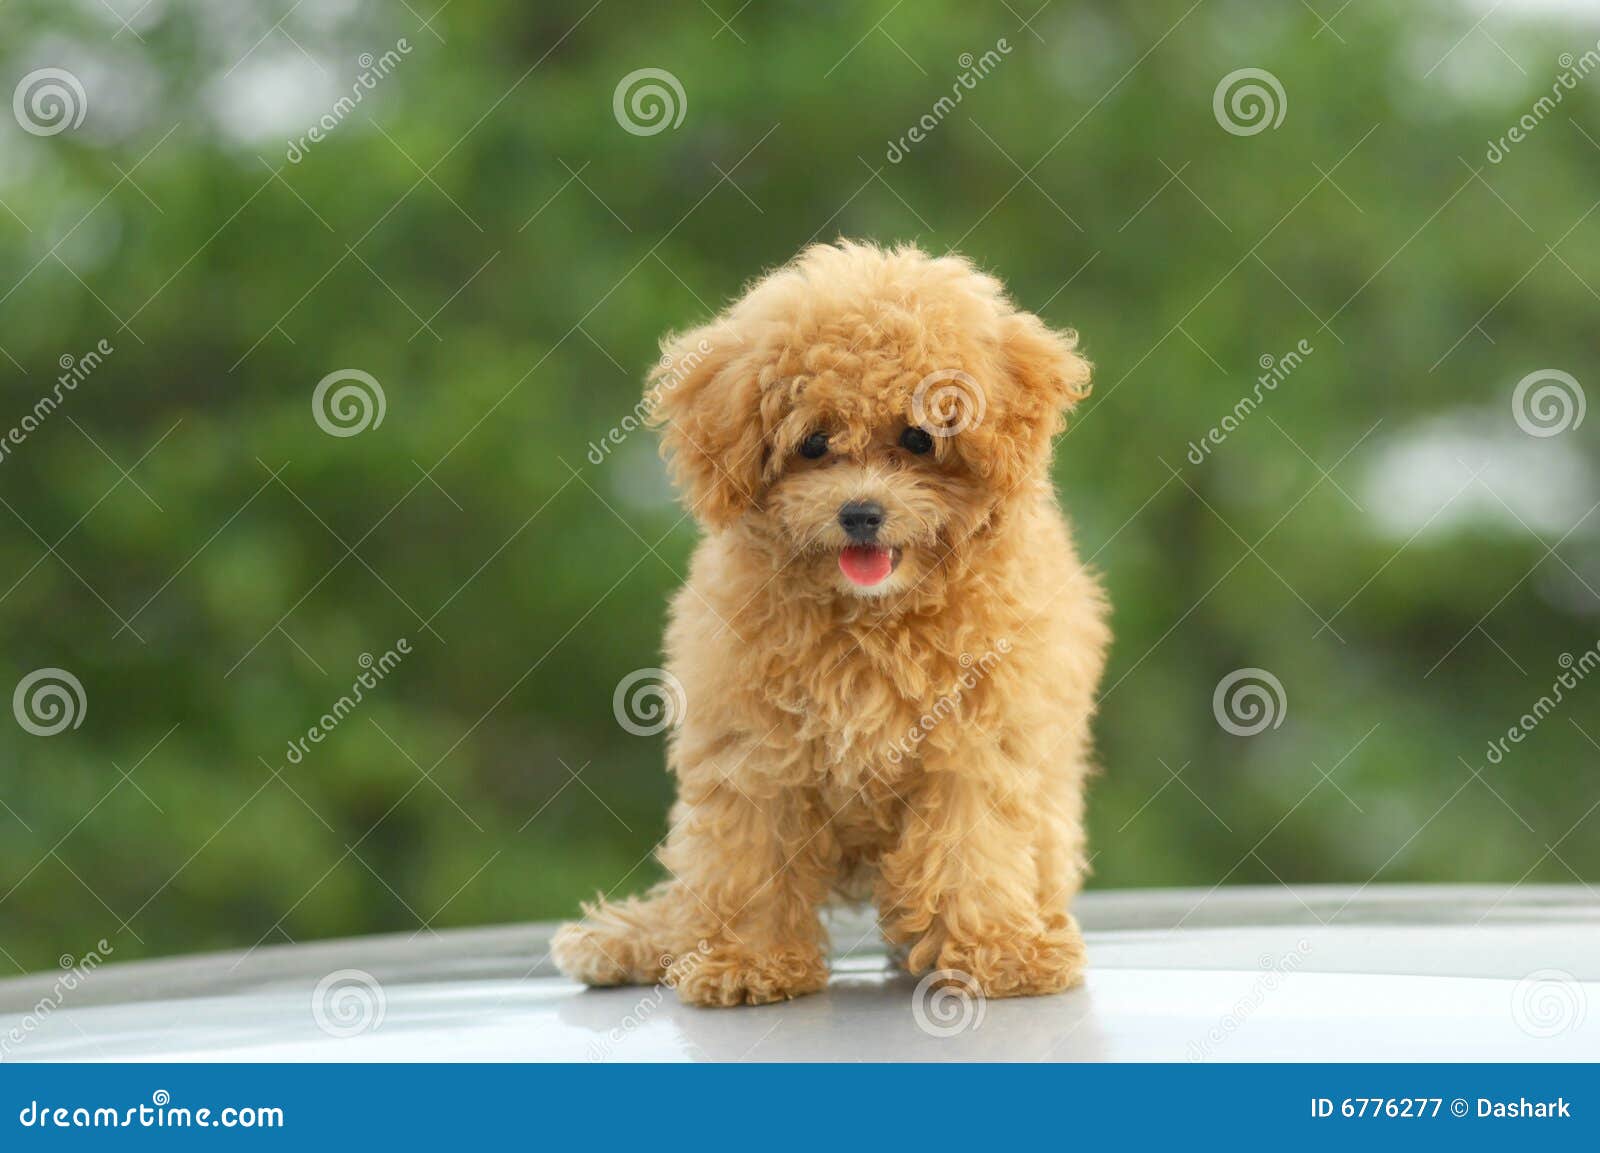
(1440, 974)
(1120, 1015)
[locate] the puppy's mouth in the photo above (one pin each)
(867, 565)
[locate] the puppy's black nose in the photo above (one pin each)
(861, 519)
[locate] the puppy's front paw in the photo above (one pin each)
(728, 974)
(1025, 965)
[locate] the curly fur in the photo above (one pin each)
(842, 740)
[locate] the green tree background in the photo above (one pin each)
(482, 235)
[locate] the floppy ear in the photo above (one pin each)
(1044, 377)
(705, 397)
(1051, 377)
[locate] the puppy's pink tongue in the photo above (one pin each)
(864, 564)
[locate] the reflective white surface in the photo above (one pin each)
(1395, 974)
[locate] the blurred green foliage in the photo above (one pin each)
(483, 237)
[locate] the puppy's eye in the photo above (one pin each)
(915, 440)
(814, 446)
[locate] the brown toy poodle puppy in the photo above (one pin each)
(888, 646)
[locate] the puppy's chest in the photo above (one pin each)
(864, 707)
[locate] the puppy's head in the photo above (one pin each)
(866, 411)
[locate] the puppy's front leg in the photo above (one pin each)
(962, 890)
(752, 867)
(749, 864)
